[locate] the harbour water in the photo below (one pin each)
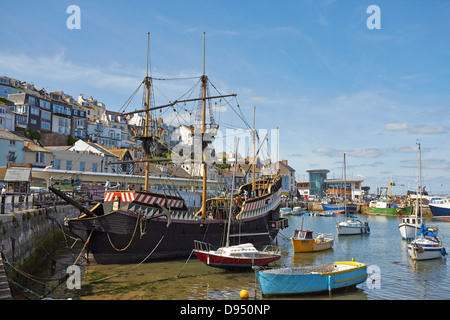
(396, 277)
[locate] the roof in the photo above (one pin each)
(34, 147)
(8, 135)
(284, 167)
(18, 174)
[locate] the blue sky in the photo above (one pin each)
(312, 68)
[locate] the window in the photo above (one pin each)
(12, 142)
(94, 167)
(32, 101)
(45, 125)
(35, 111)
(68, 164)
(82, 166)
(40, 157)
(46, 115)
(58, 164)
(44, 104)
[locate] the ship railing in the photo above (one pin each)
(272, 249)
(202, 246)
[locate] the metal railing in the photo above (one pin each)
(16, 202)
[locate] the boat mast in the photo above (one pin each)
(205, 170)
(419, 186)
(147, 117)
(254, 138)
(231, 196)
(345, 189)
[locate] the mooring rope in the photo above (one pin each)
(134, 267)
(85, 244)
(132, 237)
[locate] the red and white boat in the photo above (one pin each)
(236, 257)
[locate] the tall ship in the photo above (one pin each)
(142, 225)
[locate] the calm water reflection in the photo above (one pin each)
(382, 250)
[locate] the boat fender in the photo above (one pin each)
(419, 249)
(443, 251)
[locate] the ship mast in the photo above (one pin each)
(147, 117)
(205, 169)
(253, 138)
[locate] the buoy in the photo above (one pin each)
(243, 294)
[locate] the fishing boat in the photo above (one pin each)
(386, 207)
(339, 208)
(310, 241)
(140, 225)
(440, 207)
(311, 279)
(285, 211)
(351, 225)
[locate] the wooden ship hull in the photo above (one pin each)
(143, 231)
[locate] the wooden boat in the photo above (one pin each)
(138, 226)
(236, 257)
(309, 241)
(311, 279)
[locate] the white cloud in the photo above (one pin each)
(57, 68)
(415, 129)
(371, 152)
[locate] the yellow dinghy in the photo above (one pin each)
(309, 241)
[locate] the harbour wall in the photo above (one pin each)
(27, 237)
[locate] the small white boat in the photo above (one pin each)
(352, 226)
(298, 211)
(411, 225)
(236, 257)
(285, 211)
(427, 247)
(327, 214)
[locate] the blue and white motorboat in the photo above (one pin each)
(311, 279)
(440, 207)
